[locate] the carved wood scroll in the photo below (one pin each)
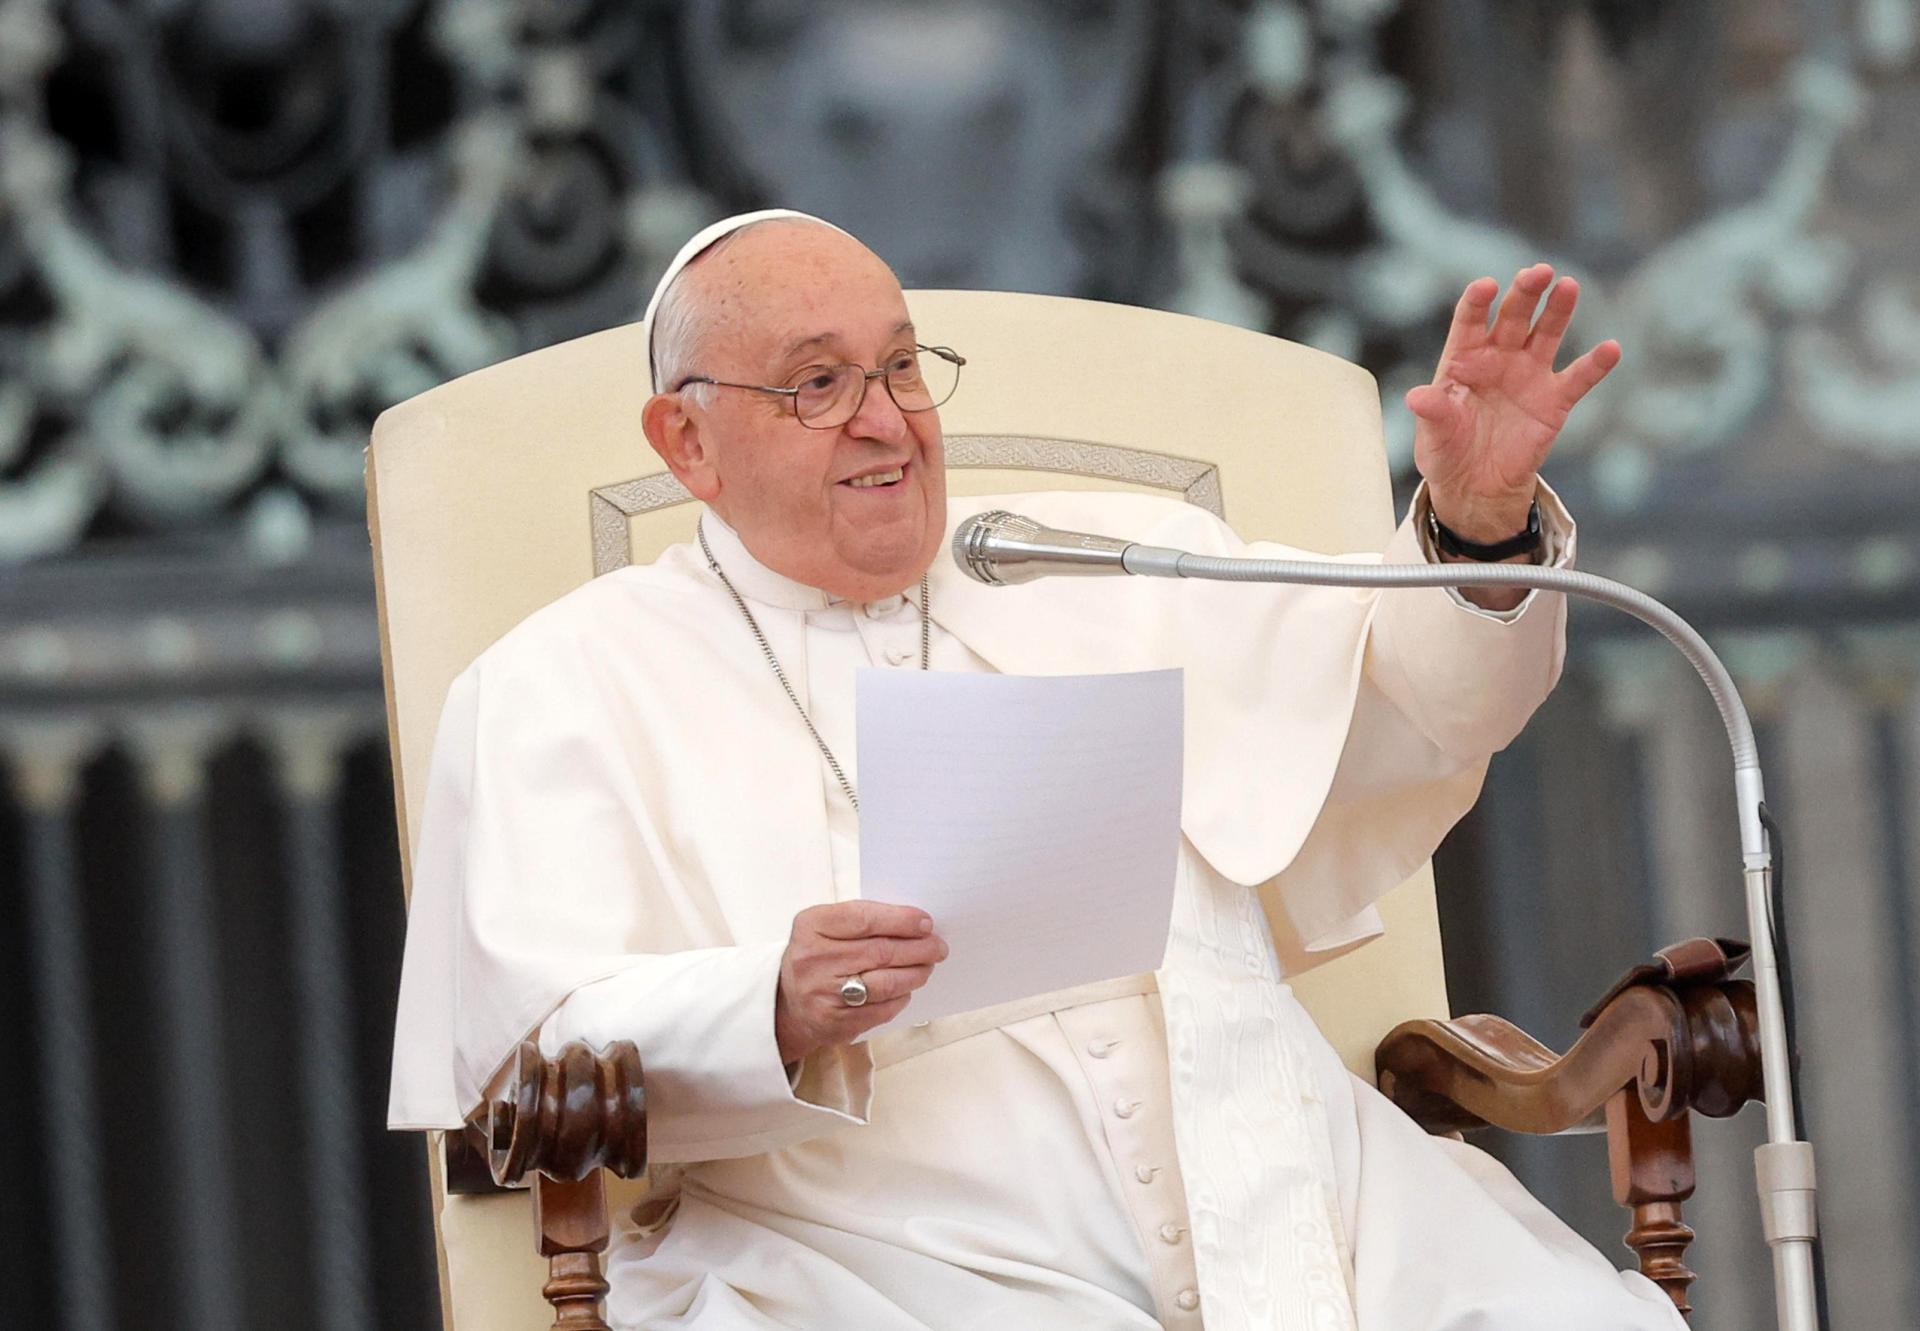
(1675, 1037)
(559, 1121)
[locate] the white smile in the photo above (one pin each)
(878, 478)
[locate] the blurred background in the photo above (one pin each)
(231, 231)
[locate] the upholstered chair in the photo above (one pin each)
(496, 493)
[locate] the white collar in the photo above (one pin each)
(757, 582)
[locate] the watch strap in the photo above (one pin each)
(1527, 542)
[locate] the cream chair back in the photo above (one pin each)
(492, 495)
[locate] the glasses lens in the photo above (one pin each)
(921, 380)
(826, 396)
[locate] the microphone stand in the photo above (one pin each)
(1783, 1166)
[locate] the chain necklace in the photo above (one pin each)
(781, 675)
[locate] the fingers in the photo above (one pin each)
(811, 1015)
(1578, 379)
(1516, 308)
(864, 919)
(894, 982)
(1544, 342)
(1513, 325)
(1432, 403)
(881, 953)
(1469, 326)
(848, 1023)
(893, 950)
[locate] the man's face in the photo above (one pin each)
(781, 301)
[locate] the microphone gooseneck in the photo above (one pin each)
(1000, 548)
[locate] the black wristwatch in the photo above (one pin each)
(1528, 542)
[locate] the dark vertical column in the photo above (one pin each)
(1848, 987)
(172, 756)
(309, 752)
(1900, 809)
(46, 777)
(1522, 985)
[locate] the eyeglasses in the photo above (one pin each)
(828, 396)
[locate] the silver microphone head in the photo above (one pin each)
(1000, 548)
(974, 539)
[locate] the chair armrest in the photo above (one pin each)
(557, 1123)
(565, 1117)
(1688, 1043)
(1675, 1037)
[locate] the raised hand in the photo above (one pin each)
(1485, 424)
(892, 948)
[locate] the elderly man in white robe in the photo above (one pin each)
(642, 824)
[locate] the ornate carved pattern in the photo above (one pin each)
(1196, 482)
(200, 312)
(1651, 1163)
(229, 235)
(567, 1116)
(557, 1123)
(571, 1221)
(1360, 197)
(249, 235)
(611, 506)
(811, 104)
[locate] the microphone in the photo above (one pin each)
(1000, 548)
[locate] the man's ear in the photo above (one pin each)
(677, 438)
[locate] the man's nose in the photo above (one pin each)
(879, 416)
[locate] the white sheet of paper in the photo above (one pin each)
(1037, 819)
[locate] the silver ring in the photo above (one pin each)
(853, 991)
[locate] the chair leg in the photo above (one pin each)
(1652, 1168)
(571, 1223)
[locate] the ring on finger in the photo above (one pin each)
(853, 991)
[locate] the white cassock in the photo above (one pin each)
(625, 813)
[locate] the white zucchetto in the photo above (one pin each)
(703, 240)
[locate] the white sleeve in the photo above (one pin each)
(537, 913)
(1465, 679)
(1446, 684)
(703, 1023)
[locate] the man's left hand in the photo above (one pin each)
(1487, 421)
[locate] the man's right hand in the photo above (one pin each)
(892, 948)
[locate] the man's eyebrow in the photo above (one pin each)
(793, 349)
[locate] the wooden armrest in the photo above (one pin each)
(1678, 1036)
(562, 1118)
(566, 1116)
(1680, 1030)
(557, 1123)
(1690, 1049)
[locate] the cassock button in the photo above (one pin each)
(1125, 1108)
(1170, 1233)
(897, 655)
(1187, 1300)
(1145, 1173)
(1101, 1048)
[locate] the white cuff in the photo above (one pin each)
(703, 1022)
(1556, 533)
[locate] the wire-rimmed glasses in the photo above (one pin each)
(828, 396)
